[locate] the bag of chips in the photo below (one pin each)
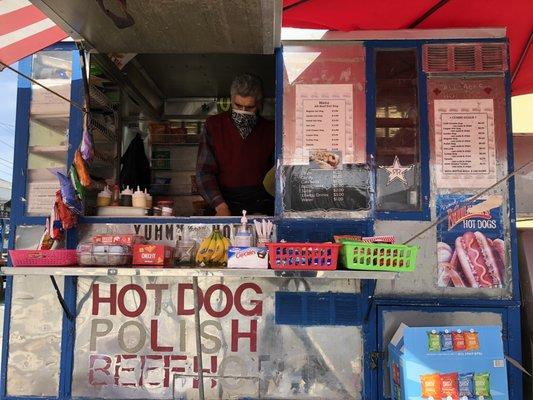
(458, 339)
(466, 385)
(482, 384)
(433, 341)
(430, 386)
(471, 341)
(446, 343)
(81, 169)
(68, 194)
(449, 385)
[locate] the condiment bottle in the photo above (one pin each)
(115, 197)
(103, 199)
(243, 238)
(139, 198)
(126, 197)
(148, 199)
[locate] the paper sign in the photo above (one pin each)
(41, 197)
(465, 143)
(324, 121)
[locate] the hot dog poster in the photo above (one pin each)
(470, 242)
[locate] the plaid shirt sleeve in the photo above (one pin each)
(207, 170)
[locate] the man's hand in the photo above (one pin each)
(222, 210)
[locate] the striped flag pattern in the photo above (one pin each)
(24, 30)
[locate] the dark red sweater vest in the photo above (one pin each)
(241, 162)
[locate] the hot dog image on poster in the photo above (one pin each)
(470, 242)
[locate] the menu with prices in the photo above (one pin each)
(324, 121)
(308, 188)
(465, 143)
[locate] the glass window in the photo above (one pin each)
(48, 131)
(397, 130)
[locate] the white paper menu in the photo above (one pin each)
(465, 148)
(324, 121)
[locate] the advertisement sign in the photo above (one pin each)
(451, 362)
(471, 249)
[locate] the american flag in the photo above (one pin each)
(24, 29)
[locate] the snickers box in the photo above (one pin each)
(248, 257)
(157, 255)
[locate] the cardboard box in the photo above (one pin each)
(157, 255)
(248, 257)
(128, 240)
(448, 363)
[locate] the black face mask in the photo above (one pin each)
(244, 121)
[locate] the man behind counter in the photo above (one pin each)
(235, 153)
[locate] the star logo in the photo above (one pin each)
(396, 171)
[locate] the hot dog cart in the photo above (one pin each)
(397, 133)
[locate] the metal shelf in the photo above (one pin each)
(198, 272)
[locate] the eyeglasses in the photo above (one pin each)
(241, 107)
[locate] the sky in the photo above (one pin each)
(8, 104)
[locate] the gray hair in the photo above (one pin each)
(247, 85)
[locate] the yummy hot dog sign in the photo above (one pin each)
(471, 250)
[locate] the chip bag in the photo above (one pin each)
(68, 194)
(449, 385)
(458, 339)
(471, 341)
(430, 386)
(466, 385)
(482, 384)
(81, 169)
(446, 343)
(433, 341)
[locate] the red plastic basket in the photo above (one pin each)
(303, 256)
(43, 258)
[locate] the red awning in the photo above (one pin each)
(351, 15)
(24, 29)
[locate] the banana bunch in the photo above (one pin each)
(213, 251)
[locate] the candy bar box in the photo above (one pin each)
(448, 363)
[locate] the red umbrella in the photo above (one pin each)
(351, 15)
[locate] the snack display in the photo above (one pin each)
(454, 341)
(435, 363)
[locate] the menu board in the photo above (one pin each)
(324, 121)
(465, 143)
(311, 188)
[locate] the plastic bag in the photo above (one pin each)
(87, 141)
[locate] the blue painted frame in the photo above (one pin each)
(371, 46)
(18, 216)
(510, 328)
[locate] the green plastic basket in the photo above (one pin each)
(378, 256)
